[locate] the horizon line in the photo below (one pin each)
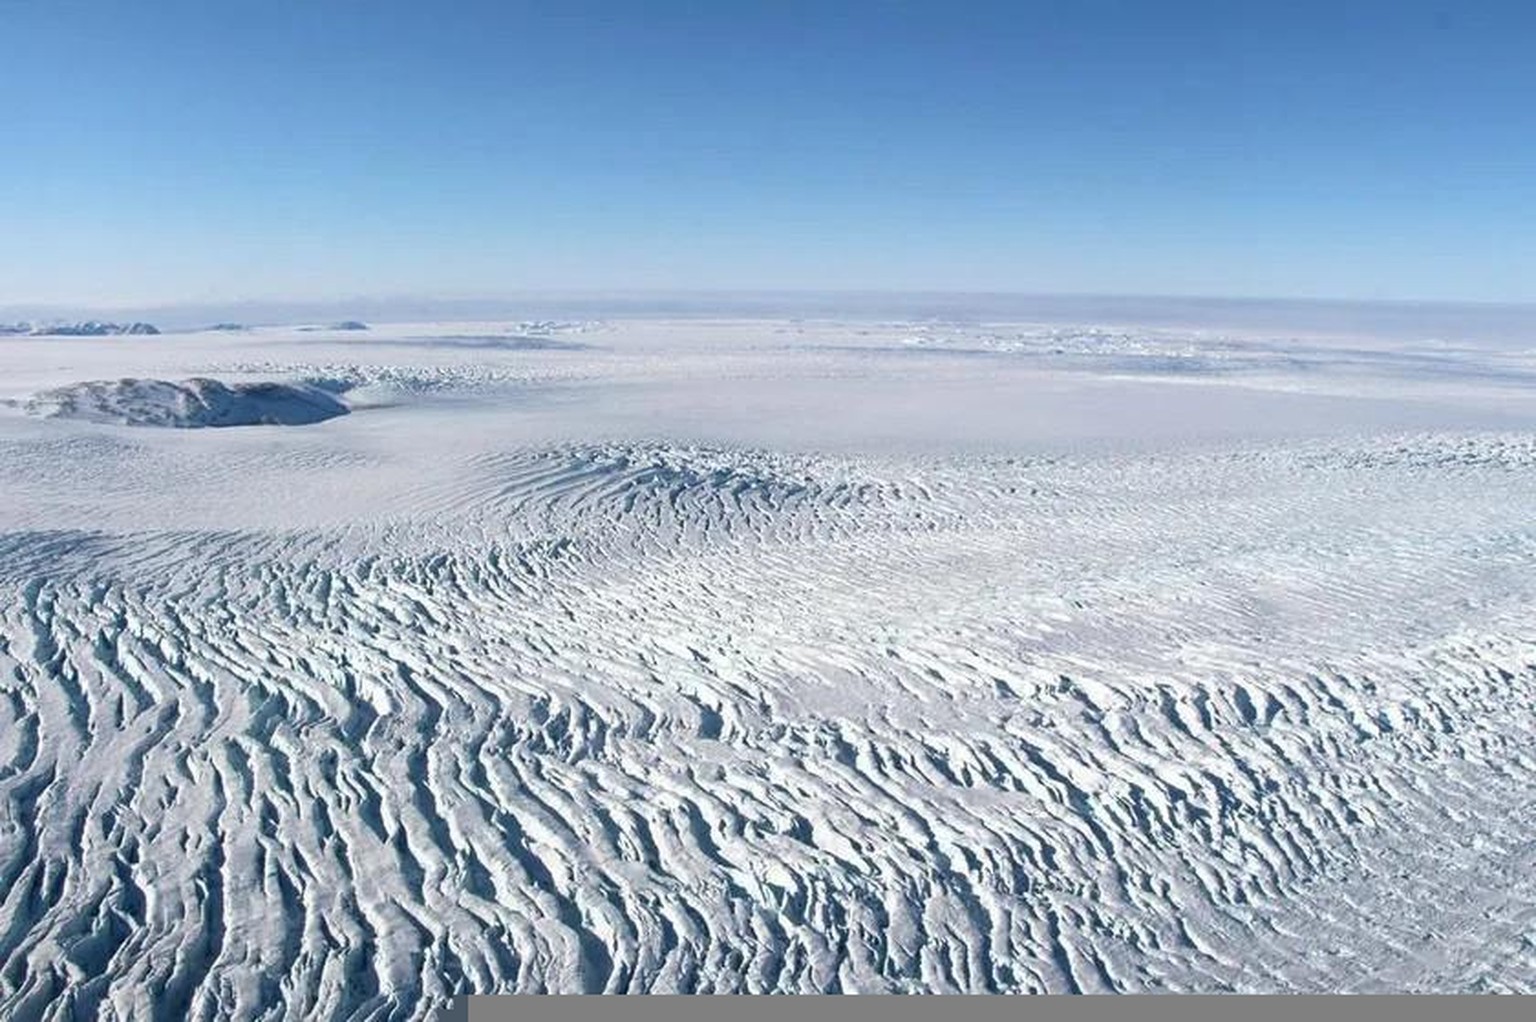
(29, 309)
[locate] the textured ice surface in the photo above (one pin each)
(766, 656)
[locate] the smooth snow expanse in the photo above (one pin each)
(764, 655)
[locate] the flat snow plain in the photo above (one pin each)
(710, 655)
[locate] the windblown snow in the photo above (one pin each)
(714, 656)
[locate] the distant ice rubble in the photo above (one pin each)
(345, 326)
(190, 404)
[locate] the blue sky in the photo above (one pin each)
(169, 151)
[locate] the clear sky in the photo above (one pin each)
(173, 151)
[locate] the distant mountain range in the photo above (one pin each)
(85, 328)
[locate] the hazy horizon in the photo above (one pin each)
(1499, 323)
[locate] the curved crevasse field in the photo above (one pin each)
(530, 712)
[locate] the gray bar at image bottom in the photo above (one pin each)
(887, 1008)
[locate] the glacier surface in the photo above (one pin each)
(764, 655)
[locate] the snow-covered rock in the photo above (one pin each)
(91, 328)
(190, 403)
